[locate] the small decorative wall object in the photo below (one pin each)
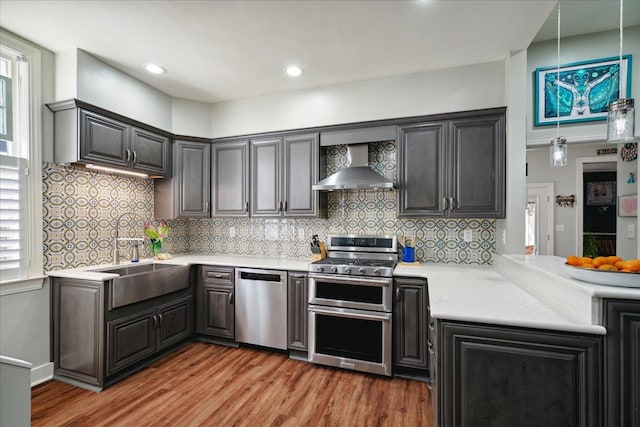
(628, 205)
(607, 151)
(586, 89)
(631, 178)
(601, 193)
(629, 151)
(566, 201)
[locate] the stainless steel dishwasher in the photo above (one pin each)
(261, 307)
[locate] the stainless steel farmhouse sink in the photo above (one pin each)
(144, 281)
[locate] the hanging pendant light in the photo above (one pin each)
(621, 118)
(558, 149)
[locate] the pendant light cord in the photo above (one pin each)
(620, 94)
(558, 78)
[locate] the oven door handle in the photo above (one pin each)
(382, 283)
(354, 314)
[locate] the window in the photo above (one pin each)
(20, 167)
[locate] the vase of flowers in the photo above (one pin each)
(156, 235)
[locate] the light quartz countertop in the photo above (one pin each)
(518, 290)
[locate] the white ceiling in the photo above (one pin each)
(222, 50)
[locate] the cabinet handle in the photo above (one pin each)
(285, 205)
(429, 344)
(128, 155)
(155, 321)
(230, 298)
(445, 204)
(246, 208)
(430, 385)
(280, 206)
(135, 156)
(206, 207)
(452, 203)
(397, 294)
(161, 320)
(218, 276)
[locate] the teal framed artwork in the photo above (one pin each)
(585, 90)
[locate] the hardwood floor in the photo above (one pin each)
(204, 384)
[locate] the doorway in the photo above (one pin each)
(539, 219)
(596, 182)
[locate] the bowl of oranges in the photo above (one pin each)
(605, 270)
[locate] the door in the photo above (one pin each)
(218, 311)
(421, 169)
(192, 174)
(266, 176)
(477, 167)
(130, 339)
(103, 140)
(410, 323)
(175, 322)
(297, 319)
(230, 179)
(300, 173)
(150, 152)
(539, 219)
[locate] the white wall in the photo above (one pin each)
(109, 88)
(454, 89)
(191, 118)
(574, 49)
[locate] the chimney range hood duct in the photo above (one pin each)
(357, 175)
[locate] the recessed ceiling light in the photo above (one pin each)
(294, 71)
(155, 69)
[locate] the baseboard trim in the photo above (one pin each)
(41, 373)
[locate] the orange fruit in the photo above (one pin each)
(573, 260)
(601, 260)
(614, 259)
(585, 260)
(631, 265)
(607, 267)
(587, 265)
(618, 265)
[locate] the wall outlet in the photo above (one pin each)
(631, 231)
(467, 235)
(301, 234)
(559, 227)
(232, 232)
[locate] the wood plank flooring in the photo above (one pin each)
(204, 384)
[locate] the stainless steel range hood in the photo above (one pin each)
(357, 175)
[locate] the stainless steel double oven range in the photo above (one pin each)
(350, 303)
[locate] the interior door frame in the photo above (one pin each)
(550, 190)
(580, 161)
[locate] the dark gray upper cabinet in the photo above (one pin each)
(410, 317)
(230, 179)
(186, 194)
(283, 169)
(452, 168)
(622, 362)
(492, 375)
(86, 134)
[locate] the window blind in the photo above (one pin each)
(13, 213)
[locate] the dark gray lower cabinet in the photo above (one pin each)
(410, 317)
(622, 362)
(499, 376)
(298, 320)
(215, 305)
(95, 346)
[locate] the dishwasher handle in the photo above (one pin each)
(262, 275)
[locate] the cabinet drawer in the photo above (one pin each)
(217, 274)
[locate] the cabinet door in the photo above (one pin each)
(517, 377)
(192, 179)
(477, 167)
(130, 339)
(218, 311)
(421, 169)
(622, 363)
(300, 173)
(103, 140)
(150, 152)
(230, 179)
(266, 184)
(297, 300)
(410, 316)
(175, 322)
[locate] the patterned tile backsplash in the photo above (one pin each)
(81, 208)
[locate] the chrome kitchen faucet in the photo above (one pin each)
(135, 240)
